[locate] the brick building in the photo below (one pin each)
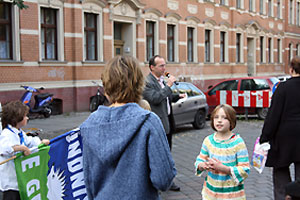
(64, 44)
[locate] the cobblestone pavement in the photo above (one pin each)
(186, 146)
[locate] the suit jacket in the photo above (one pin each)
(157, 98)
(282, 125)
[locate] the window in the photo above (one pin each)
(171, 42)
(297, 14)
(222, 46)
(279, 50)
(261, 7)
(270, 50)
(270, 6)
(238, 4)
(5, 32)
(251, 5)
(291, 11)
(226, 85)
(150, 39)
(207, 45)
(190, 44)
(48, 34)
(238, 47)
(290, 52)
(254, 84)
(297, 49)
(222, 2)
(90, 36)
(262, 50)
(278, 8)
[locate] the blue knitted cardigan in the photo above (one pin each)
(125, 154)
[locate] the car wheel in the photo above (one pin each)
(262, 113)
(200, 121)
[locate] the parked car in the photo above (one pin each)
(191, 109)
(245, 88)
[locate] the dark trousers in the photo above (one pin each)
(11, 195)
(169, 137)
(281, 177)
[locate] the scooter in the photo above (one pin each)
(42, 103)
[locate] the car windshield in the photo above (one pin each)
(187, 88)
(254, 84)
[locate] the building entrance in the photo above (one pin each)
(123, 38)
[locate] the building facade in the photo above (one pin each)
(63, 45)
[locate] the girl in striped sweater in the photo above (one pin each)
(225, 157)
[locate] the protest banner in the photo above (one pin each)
(53, 172)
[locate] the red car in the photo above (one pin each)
(248, 95)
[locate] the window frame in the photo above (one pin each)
(270, 50)
(169, 39)
(60, 35)
(46, 27)
(297, 13)
(238, 44)
(86, 37)
(8, 22)
(262, 49)
(153, 39)
(279, 9)
(251, 5)
(190, 41)
(15, 54)
(222, 46)
(291, 12)
(290, 52)
(207, 45)
(270, 8)
(279, 50)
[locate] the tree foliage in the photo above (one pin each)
(19, 3)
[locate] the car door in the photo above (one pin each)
(181, 110)
(184, 110)
(211, 94)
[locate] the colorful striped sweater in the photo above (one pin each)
(233, 153)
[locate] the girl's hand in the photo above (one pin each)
(203, 166)
(218, 166)
(46, 141)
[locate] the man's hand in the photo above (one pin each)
(171, 80)
(182, 96)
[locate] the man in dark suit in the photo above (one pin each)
(159, 95)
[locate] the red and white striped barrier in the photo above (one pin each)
(257, 99)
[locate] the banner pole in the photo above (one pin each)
(5, 161)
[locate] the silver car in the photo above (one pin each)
(191, 109)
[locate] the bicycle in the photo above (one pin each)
(98, 99)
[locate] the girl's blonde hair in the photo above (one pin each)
(230, 114)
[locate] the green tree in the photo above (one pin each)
(19, 3)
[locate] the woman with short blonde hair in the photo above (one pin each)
(125, 149)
